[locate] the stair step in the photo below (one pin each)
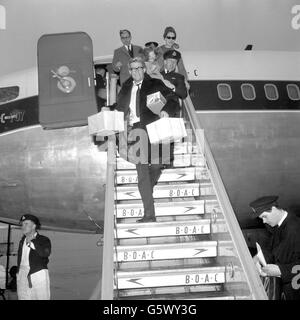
(167, 191)
(179, 174)
(173, 228)
(174, 250)
(171, 277)
(164, 291)
(160, 264)
(166, 251)
(223, 295)
(180, 160)
(175, 208)
(185, 147)
(161, 209)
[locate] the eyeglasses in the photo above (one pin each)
(173, 38)
(137, 68)
(127, 37)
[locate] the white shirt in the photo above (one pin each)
(25, 253)
(132, 105)
(128, 47)
(282, 219)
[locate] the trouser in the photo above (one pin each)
(40, 285)
(148, 175)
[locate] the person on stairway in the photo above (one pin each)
(132, 100)
(172, 79)
(283, 255)
(170, 44)
(123, 54)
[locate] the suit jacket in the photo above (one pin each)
(149, 86)
(180, 88)
(121, 54)
(285, 252)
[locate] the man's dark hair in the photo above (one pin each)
(125, 30)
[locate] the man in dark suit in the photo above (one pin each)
(175, 81)
(283, 254)
(132, 100)
(123, 54)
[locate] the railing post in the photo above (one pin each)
(107, 285)
(7, 254)
(113, 89)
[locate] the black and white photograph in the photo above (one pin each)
(149, 150)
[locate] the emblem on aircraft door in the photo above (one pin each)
(65, 77)
(65, 83)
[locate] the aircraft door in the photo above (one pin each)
(66, 80)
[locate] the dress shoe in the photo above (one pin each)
(147, 219)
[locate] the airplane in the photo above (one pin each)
(60, 174)
(247, 102)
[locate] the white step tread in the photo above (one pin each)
(180, 160)
(171, 277)
(136, 210)
(178, 174)
(172, 228)
(199, 249)
(174, 208)
(185, 147)
(218, 295)
(166, 191)
(179, 250)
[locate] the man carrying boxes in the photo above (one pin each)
(138, 113)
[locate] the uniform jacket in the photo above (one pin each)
(178, 81)
(38, 258)
(181, 68)
(121, 54)
(149, 86)
(285, 252)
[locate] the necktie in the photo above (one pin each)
(137, 101)
(130, 51)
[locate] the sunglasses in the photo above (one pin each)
(173, 38)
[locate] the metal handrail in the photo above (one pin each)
(255, 284)
(107, 284)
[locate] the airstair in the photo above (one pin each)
(195, 249)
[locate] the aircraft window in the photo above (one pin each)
(8, 93)
(271, 91)
(248, 91)
(224, 91)
(293, 91)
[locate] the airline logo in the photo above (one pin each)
(2, 18)
(296, 17)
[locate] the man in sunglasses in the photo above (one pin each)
(283, 256)
(123, 54)
(132, 100)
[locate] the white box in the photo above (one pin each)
(155, 102)
(166, 130)
(106, 123)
